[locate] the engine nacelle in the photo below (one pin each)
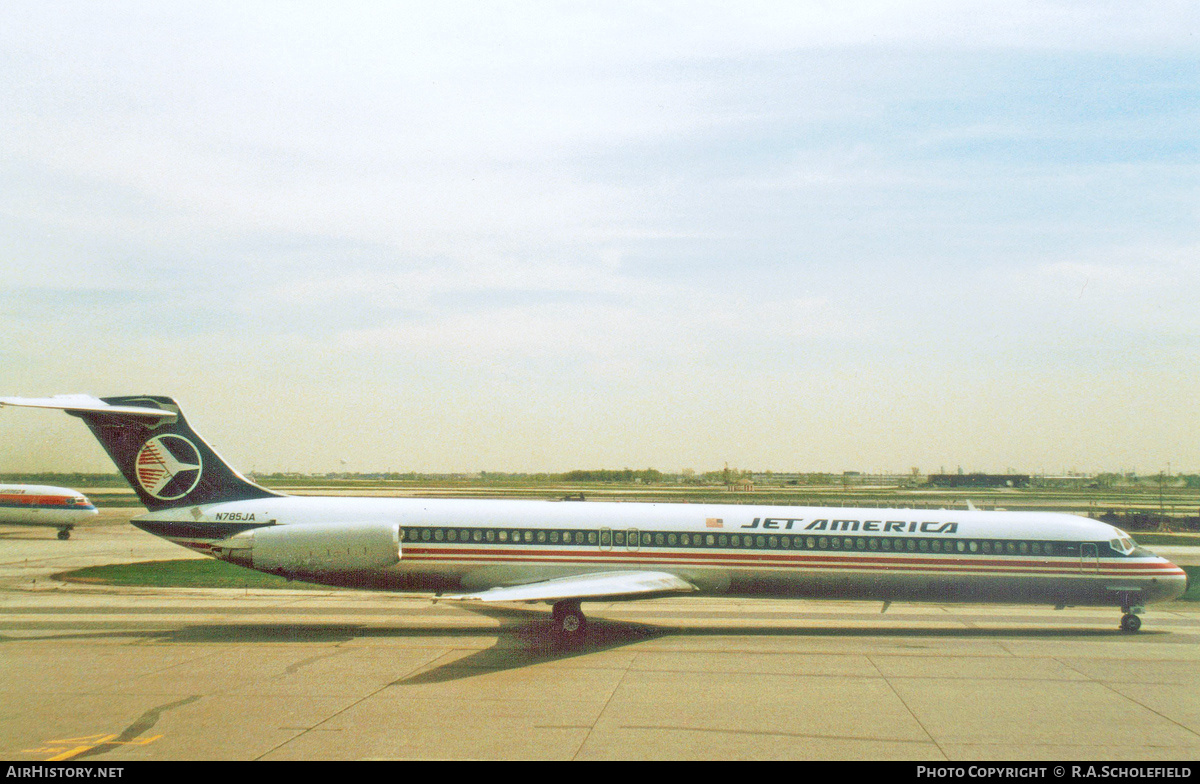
(315, 548)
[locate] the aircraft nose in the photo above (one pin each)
(1173, 582)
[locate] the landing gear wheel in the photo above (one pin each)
(569, 621)
(64, 533)
(1130, 623)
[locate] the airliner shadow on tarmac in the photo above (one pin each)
(524, 648)
(484, 553)
(534, 642)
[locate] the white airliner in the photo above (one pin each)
(43, 505)
(484, 551)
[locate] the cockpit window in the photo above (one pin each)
(1122, 545)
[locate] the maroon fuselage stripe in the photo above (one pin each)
(1072, 565)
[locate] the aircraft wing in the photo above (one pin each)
(72, 403)
(603, 585)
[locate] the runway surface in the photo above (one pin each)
(106, 674)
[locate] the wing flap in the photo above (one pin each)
(604, 585)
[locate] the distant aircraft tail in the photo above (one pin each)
(159, 454)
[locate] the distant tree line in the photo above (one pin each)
(646, 476)
(65, 479)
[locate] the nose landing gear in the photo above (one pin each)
(1130, 622)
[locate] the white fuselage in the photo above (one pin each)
(56, 507)
(736, 550)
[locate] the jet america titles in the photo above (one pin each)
(881, 526)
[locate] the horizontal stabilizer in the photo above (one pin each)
(604, 585)
(72, 403)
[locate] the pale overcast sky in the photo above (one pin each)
(544, 236)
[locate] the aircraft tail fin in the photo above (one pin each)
(158, 453)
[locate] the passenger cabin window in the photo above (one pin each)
(1119, 546)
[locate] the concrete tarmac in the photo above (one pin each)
(108, 674)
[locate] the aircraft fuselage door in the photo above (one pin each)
(631, 540)
(606, 538)
(1089, 558)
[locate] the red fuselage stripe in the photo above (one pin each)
(41, 500)
(1072, 565)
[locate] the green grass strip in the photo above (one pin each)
(188, 573)
(1183, 540)
(1193, 591)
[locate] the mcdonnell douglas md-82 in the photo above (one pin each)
(485, 551)
(42, 505)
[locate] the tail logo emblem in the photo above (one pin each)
(168, 467)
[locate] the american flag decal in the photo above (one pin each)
(715, 522)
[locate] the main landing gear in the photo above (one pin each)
(64, 533)
(569, 621)
(1130, 622)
